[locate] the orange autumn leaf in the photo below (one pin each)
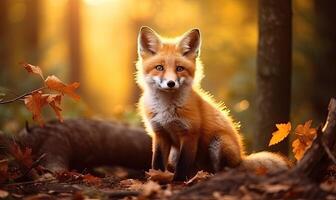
(22, 156)
(280, 134)
(160, 176)
(306, 133)
(34, 104)
(92, 180)
(305, 137)
(299, 149)
(200, 176)
(54, 100)
(33, 69)
(56, 84)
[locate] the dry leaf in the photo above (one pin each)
(3, 194)
(131, 184)
(34, 104)
(150, 188)
(280, 134)
(56, 84)
(298, 149)
(160, 176)
(200, 176)
(305, 133)
(54, 100)
(92, 180)
(65, 176)
(269, 188)
(305, 137)
(24, 157)
(33, 69)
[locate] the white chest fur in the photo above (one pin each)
(164, 106)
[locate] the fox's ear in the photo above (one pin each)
(190, 43)
(148, 41)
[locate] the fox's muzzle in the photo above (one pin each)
(167, 84)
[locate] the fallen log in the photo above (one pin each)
(86, 143)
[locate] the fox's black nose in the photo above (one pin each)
(171, 84)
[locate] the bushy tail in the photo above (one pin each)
(272, 162)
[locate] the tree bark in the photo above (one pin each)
(317, 158)
(84, 143)
(273, 70)
(324, 70)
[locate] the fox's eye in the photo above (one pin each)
(159, 67)
(179, 68)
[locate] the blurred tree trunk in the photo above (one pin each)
(32, 23)
(74, 37)
(325, 62)
(4, 42)
(273, 70)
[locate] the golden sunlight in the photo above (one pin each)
(96, 2)
(108, 31)
(107, 62)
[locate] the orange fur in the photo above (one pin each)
(184, 117)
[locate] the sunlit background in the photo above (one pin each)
(94, 42)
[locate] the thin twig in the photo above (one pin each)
(31, 182)
(35, 164)
(327, 150)
(8, 91)
(22, 96)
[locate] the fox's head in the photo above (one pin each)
(168, 64)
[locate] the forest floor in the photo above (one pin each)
(229, 185)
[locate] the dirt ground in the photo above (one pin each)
(229, 185)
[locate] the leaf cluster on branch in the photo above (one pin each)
(51, 93)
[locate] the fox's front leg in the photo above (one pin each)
(161, 149)
(188, 150)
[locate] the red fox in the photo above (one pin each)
(181, 117)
